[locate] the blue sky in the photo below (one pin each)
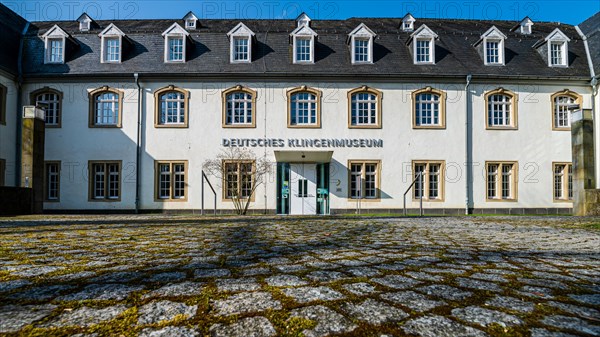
(571, 12)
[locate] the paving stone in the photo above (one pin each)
(363, 271)
(328, 321)
(510, 303)
(176, 289)
(326, 276)
(445, 292)
(360, 289)
(485, 317)
(489, 277)
(246, 327)
(291, 268)
(412, 300)
(170, 331)
(245, 303)
(12, 285)
(14, 317)
(168, 277)
(43, 293)
(310, 294)
(424, 276)
(374, 312)
(236, 285)
(37, 271)
(285, 281)
(396, 281)
(536, 292)
(571, 323)
(391, 266)
(351, 263)
(537, 332)
(156, 312)
(75, 276)
(438, 326)
(209, 273)
(100, 292)
(587, 299)
(477, 284)
(581, 311)
(445, 271)
(256, 271)
(86, 316)
(120, 277)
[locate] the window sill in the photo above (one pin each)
(364, 126)
(170, 200)
(563, 201)
(430, 127)
(428, 200)
(500, 128)
(104, 200)
(304, 126)
(501, 200)
(171, 126)
(364, 200)
(94, 126)
(562, 128)
(239, 126)
(52, 126)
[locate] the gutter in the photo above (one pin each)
(138, 157)
(19, 132)
(468, 146)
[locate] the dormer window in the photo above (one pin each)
(303, 41)
(54, 41)
(85, 22)
(361, 44)
(175, 43)
(408, 23)
(240, 38)
(557, 49)
(423, 44)
(190, 21)
(493, 46)
(111, 44)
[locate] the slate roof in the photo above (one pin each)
(11, 28)
(209, 56)
(591, 29)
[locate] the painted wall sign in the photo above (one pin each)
(295, 142)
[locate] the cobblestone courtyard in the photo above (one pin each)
(184, 276)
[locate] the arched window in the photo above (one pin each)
(429, 109)
(561, 119)
(239, 107)
(304, 108)
(106, 106)
(171, 107)
(501, 108)
(365, 108)
(51, 101)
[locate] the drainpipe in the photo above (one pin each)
(138, 158)
(19, 107)
(468, 146)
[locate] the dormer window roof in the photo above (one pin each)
(240, 42)
(303, 20)
(55, 43)
(112, 39)
(191, 20)
(423, 45)
(85, 22)
(175, 43)
(361, 44)
(303, 41)
(408, 23)
(524, 26)
(556, 49)
(492, 42)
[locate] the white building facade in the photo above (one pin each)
(350, 114)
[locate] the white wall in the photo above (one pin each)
(8, 132)
(534, 145)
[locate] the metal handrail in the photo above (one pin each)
(420, 178)
(204, 177)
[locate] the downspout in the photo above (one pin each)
(138, 158)
(19, 107)
(468, 145)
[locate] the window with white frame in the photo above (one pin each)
(239, 108)
(501, 109)
(492, 52)
(364, 179)
(501, 181)
(106, 109)
(303, 49)
(238, 179)
(423, 51)
(557, 54)
(427, 109)
(303, 109)
(55, 40)
(563, 181)
(50, 101)
(56, 50)
(176, 49)
(428, 180)
(52, 177)
(112, 49)
(562, 117)
(361, 50)
(172, 108)
(171, 180)
(364, 109)
(241, 49)
(105, 181)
